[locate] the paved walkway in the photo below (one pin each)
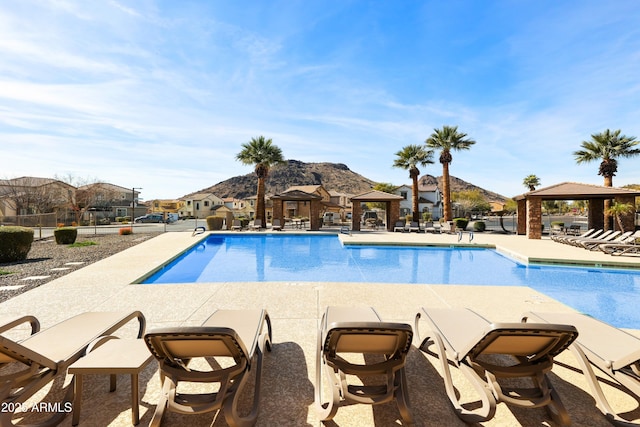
(295, 309)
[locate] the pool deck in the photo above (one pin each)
(295, 309)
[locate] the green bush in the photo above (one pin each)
(15, 243)
(557, 223)
(214, 222)
(461, 223)
(479, 226)
(65, 235)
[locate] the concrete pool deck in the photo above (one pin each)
(295, 309)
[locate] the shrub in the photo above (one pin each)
(125, 231)
(408, 219)
(479, 226)
(15, 243)
(461, 223)
(557, 224)
(65, 235)
(214, 222)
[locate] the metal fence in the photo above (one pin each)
(37, 220)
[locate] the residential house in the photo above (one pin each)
(165, 206)
(343, 200)
(48, 201)
(429, 200)
(199, 205)
(105, 202)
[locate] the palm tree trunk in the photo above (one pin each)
(414, 198)
(608, 182)
(446, 192)
(260, 211)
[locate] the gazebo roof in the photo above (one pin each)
(376, 196)
(577, 191)
(296, 195)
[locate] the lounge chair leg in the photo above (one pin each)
(402, 397)
(596, 391)
(488, 408)
(326, 410)
(156, 421)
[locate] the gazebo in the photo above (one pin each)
(392, 202)
(530, 205)
(314, 200)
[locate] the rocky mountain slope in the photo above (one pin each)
(332, 176)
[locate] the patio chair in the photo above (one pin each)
(236, 225)
(610, 350)
(428, 227)
(600, 237)
(45, 355)
(627, 246)
(590, 233)
(276, 225)
(414, 226)
(400, 226)
(486, 352)
(346, 332)
(593, 243)
(228, 334)
(257, 224)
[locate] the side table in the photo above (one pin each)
(116, 356)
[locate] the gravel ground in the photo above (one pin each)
(46, 255)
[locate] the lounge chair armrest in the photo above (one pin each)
(133, 315)
(12, 323)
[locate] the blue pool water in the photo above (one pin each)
(611, 295)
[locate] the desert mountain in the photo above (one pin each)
(332, 176)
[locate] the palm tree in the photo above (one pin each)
(263, 154)
(531, 182)
(409, 158)
(618, 210)
(607, 146)
(447, 139)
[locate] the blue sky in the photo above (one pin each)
(161, 94)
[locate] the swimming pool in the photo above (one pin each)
(611, 295)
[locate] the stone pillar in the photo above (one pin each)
(393, 213)
(596, 214)
(277, 210)
(314, 215)
(522, 217)
(628, 220)
(355, 216)
(534, 218)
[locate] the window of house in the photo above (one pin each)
(206, 203)
(403, 194)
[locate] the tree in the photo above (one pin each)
(263, 154)
(607, 146)
(409, 158)
(618, 210)
(447, 139)
(531, 182)
(471, 200)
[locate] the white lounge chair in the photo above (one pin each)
(610, 350)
